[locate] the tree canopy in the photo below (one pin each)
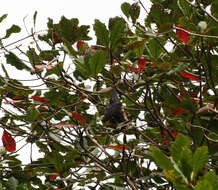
(135, 108)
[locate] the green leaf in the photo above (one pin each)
(97, 62)
(156, 1)
(32, 114)
(161, 159)
(12, 183)
(186, 162)
(134, 12)
(204, 185)
(200, 158)
(34, 18)
(3, 17)
(116, 27)
(13, 29)
(214, 8)
(101, 33)
(185, 7)
(211, 177)
(177, 147)
(55, 70)
(125, 7)
(181, 186)
(13, 60)
(48, 55)
(4, 70)
(154, 48)
(115, 187)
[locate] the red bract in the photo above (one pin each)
(40, 99)
(178, 111)
(8, 142)
(189, 76)
(182, 35)
(80, 118)
(141, 64)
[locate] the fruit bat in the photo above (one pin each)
(113, 113)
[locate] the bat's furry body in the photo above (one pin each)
(113, 113)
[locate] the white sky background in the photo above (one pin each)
(85, 10)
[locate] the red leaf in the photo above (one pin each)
(13, 101)
(141, 64)
(182, 35)
(194, 95)
(40, 99)
(175, 134)
(55, 37)
(178, 111)
(133, 69)
(53, 177)
(17, 98)
(166, 132)
(79, 44)
(80, 118)
(115, 61)
(165, 142)
(205, 108)
(189, 76)
(39, 67)
(118, 148)
(8, 142)
(60, 126)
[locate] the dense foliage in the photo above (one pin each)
(163, 67)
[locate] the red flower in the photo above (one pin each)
(141, 64)
(189, 76)
(40, 99)
(8, 142)
(178, 111)
(80, 118)
(182, 35)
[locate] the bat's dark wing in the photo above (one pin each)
(113, 112)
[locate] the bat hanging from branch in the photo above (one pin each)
(113, 114)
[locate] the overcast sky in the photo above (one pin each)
(85, 10)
